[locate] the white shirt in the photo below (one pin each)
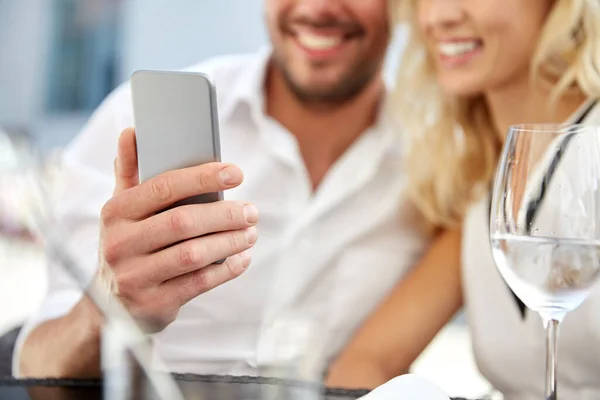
(329, 257)
(510, 351)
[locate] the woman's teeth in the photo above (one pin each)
(318, 42)
(451, 49)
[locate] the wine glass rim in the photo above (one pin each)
(552, 128)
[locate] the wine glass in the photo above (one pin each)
(544, 222)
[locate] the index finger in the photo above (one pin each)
(160, 192)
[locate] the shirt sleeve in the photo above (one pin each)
(87, 182)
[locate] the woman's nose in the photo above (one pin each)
(440, 12)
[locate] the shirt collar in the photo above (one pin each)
(249, 88)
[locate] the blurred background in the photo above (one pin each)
(60, 58)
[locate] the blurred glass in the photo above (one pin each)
(30, 185)
(22, 273)
(291, 349)
(299, 329)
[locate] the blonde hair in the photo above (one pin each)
(454, 148)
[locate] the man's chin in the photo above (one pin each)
(331, 84)
(321, 92)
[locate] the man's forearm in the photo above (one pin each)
(66, 347)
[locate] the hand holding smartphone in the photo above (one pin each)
(163, 237)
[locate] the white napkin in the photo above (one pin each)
(407, 387)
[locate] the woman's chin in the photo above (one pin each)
(461, 87)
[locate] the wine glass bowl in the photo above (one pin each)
(544, 230)
(550, 276)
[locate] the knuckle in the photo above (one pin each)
(200, 280)
(181, 220)
(204, 179)
(230, 214)
(189, 255)
(108, 212)
(161, 188)
(232, 268)
(111, 250)
(126, 287)
(233, 240)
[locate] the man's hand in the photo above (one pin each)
(156, 261)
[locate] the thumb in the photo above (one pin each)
(126, 164)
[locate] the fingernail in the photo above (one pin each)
(251, 214)
(251, 235)
(230, 176)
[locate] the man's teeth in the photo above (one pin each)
(457, 48)
(317, 42)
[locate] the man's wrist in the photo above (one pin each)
(85, 324)
(87, 316)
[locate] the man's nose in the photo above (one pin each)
(316, 9)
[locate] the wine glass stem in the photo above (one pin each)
(552, 326)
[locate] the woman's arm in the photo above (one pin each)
(394, 336)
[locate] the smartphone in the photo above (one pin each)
(176, 124)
